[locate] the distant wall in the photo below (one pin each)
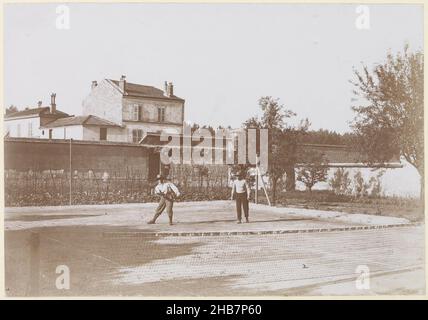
(23, 154)
(400, 182)
(41, 154)
(342, 155)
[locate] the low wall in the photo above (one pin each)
(41, 154)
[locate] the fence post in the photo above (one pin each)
(256, 197)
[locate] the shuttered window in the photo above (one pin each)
(161, 114)
(140, 113)
(135, 115)
(137, 135)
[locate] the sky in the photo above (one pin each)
(221, 57)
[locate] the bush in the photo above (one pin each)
(314, 170)
(340, 182)
(360, 186)
(376, 185)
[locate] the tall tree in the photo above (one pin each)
(282, 140)
(389, 118)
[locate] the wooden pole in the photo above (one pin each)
(264, 187)
(71, 178)
(256, 196)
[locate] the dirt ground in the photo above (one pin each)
(409, 208)
(413, 213)
(110, 251)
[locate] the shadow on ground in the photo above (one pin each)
(33, 255)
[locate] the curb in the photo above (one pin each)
(239, 233)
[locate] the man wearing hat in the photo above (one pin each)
(168, 192)
(241, 191)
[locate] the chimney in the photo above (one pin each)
(165, 88)
(39, 104)
(53, 104)
(94, 84)
(170, 90)
(122, 83)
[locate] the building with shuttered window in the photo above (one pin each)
(136, 109)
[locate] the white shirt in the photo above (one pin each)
(162, 188)
(240, 186)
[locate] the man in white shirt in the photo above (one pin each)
(168, 192)
(242, 192)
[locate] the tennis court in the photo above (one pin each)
(110, 250)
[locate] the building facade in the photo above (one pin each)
(29, 123)
(88, 128)
(137, 109)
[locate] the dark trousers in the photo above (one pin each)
(241, 201)
(163, 203)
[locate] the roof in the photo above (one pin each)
(153, 140)
(89, 120)
(140, 90)
(34, 112)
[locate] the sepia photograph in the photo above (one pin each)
(197, 150)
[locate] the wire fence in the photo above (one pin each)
(58, 187)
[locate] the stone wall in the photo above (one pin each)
(40, 154)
